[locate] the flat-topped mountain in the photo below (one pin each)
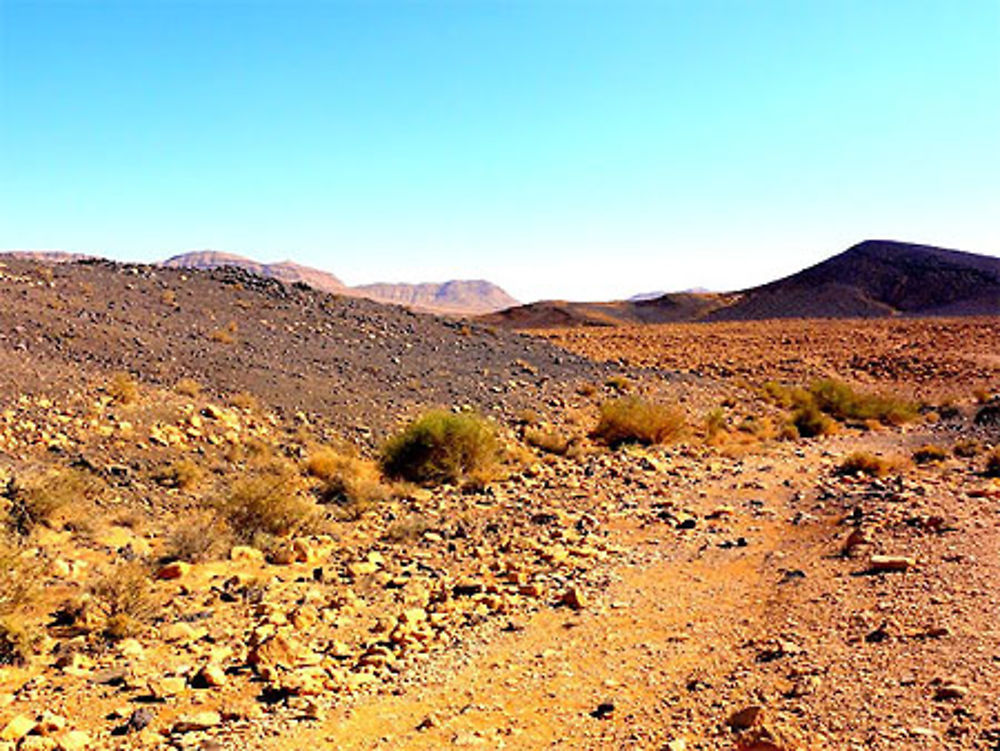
(459, 296)
(872, 279)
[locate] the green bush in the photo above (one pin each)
(635, 420)
(441, 447)
(844, 403)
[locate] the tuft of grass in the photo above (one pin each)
(992, 468)
(618, 383)
(188, 387)
(18, 581)
(547, 440)
(126, 599)
(440, 447)
(715, 424)
(50, 499)
(351, 482)
(123, 388)
(930, 454)
(182, 474)
(810, 421)
(268, 501)
(635, 420)
(198, 538)
(864, 463)
(245, 401)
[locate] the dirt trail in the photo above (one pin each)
(667, 627)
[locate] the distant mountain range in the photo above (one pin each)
(455, 297)
(872, 279)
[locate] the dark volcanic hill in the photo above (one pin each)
(878, 278)
(872, 279)
(352, 363)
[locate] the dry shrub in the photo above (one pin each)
(269, 500)
(618, 383)
(198, 538)
(182, 474)
(993, 464)
(126, 600)
(123, 388)
(18, 580)
(245, 401)
(930, 454)
(809, 421)
(349, 481)
(967, 448)
(52, 498)
(17, 642)
(548, 440)
(188, 387)
(442, 447)
(715, 424)
(635, 420)
(409, 529)
(864, 463)
(222, 336)
(586, 389)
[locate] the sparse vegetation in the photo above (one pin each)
(201, 537)
(123, 388)
(442, 447)
(351, 482)
(268, 501)
(50, 498)
(16, 642)
(182, 474)
(815, 409)
(126, 600)
(188, 387)
(930, 454)
(18, 580)
(636, 420)
(715, 424)
(548, 440)
(865, 463)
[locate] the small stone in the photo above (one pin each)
(746, 717)
(18, 727)
(574, 599)
(139, 719)
(603, 710)
(175, 570)
(889, 563)
(189, 723)
(72, 740)
(948, 691)
(677, 744)
(211, 676)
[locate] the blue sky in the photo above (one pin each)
(560, 148)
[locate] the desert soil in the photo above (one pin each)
(713, 593)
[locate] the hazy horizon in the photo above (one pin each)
(561, 150)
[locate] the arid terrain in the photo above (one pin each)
(205, 545)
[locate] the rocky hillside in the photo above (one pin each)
(360, 364)
(873, 279)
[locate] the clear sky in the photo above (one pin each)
(560, 148)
